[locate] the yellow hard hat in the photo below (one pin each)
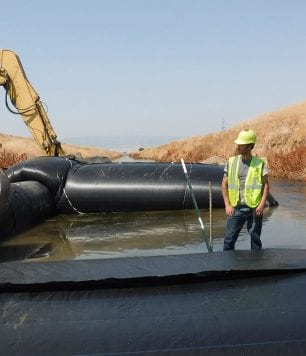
(246, 137)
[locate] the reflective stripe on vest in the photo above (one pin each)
(253, 183)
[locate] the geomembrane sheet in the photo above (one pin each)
(258, 306)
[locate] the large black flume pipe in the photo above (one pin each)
(133, 186)
(28, 203)
(46, 185)
(141, 186)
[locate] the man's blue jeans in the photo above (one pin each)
(235, 223)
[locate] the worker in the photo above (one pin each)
(245, 189)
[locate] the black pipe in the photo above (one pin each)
(138, 187)
(28, 203)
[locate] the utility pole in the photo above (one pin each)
(223, 125)
(223, 129)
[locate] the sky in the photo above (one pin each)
(156, 67)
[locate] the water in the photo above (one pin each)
(116, 235)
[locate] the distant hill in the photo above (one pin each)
(24, 145)
(281, 139)
(126, 143)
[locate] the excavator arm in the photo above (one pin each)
(27, 103)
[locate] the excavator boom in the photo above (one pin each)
(27, 103)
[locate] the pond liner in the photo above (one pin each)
(237, 314)
(147, 270)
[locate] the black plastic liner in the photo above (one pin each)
(127, 271)
(263, 314)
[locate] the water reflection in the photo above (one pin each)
(154, 233)
(113, 235)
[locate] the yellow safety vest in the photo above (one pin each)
(253, 183)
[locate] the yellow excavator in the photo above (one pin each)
(27, 103)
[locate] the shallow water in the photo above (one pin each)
(156, 233)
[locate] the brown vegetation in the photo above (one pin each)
(291, 165)
(14, 149)
(281, 139)
(16, 144)
(8, 159)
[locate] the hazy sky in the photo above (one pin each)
(156, 67)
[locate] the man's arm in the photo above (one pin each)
(265, 193)
(224, 186)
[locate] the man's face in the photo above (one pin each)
(245, 149)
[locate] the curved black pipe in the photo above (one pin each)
(49, 171)
(28, 203)
(4, 191)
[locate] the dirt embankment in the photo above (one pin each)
(281, 139)
(16, 148)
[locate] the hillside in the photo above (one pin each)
(281, 139)
(27, 147)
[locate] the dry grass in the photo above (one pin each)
(291, 165)
(281, 139)
(15, 149)
(8, 159)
